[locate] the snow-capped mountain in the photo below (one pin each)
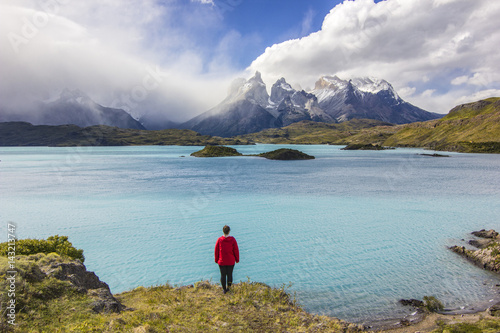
(75, 107)
(291, 106)
(368, 98)
(243, 111)
(248, 108)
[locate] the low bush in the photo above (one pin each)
(53, 244)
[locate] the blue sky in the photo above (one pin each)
(274, 21)
(436, 53)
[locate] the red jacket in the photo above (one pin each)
(226, 251)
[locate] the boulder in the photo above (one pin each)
(494, 310)
(480, 243)
(105, 302)
(486, 234)
(412, 302)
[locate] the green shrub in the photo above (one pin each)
(432, 304)
(482, 326)
(57, 244)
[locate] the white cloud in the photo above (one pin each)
(205, 2)
(406, 92)
(409, 43)
(307, 22)
(460, 80)
(428, 93)
(483, 94)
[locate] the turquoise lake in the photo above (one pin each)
(353, 231)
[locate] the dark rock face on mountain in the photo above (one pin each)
(300, 106)
(248, 107)
(76, 108)
(153, 123)
(240, 113)
(242, 116)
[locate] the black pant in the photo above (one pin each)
(226, 272)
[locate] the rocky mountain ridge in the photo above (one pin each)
(76, 108)
(248, 108)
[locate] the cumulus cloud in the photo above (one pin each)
(143, 56)
(447, 47)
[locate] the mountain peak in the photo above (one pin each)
(74, 96)
(330, 82)
(371, 84)
(256, 79)
(252, 89)
(280, 90)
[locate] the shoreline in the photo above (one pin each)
(419, 320)
(484, 257)
(257, 304)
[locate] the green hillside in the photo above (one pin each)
(310, 132)
(25, 134)
(472, 127)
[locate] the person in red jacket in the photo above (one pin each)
(226, 255)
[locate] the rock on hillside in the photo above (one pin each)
(49, 276)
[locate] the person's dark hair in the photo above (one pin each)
(226, 229)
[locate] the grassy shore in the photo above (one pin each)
(47, 304)
(55, 293)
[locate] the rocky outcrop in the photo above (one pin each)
(488, 254)
(84, 282)
(412, 302)
(486, 234)
(77, 274)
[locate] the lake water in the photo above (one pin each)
(353, 231)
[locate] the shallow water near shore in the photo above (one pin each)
(353, 231)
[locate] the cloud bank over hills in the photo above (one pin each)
(175, 59)
(142, 56)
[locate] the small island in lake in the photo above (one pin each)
(435, 155)
(284, 154)
(216, 151)
(360, 146)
